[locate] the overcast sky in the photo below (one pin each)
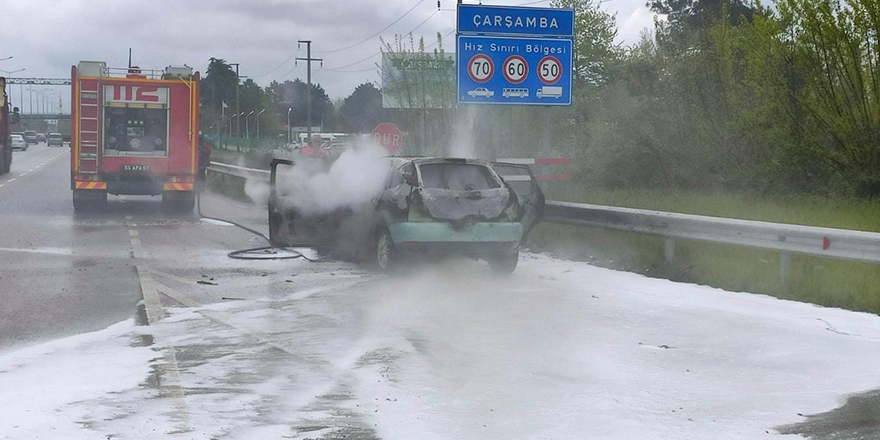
(48, 36)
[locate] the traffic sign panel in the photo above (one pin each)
(535, 71)
(508, 20)
(388, 136)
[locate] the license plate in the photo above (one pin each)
(135, 168)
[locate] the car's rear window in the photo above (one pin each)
(17, 137)
(457, 177)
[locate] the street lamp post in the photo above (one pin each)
(10, 73)
(258, 122)
(234, 115)
(247, 127)
(4, 59)
(288, 123)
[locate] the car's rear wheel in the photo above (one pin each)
(504, 263)
(385, 252)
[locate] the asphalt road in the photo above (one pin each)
(63, 273)
(294, 349)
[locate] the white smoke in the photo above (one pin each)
(462, 145)
(355, 178)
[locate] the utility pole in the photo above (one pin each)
(308, 59)
(288, 124)
(237, 101)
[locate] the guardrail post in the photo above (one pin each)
(669, 249)
(785, 270)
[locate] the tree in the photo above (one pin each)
(292, 94)
(362, 110)
(594, 48)
(217, 86)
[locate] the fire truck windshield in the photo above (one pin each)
(136, 131)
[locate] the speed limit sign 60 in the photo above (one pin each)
(481, 68)
(515, 69)
(549, 70)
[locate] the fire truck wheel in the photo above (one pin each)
(89, 200)
(6, 161)
(179, 201)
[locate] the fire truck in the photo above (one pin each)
(133, 132)
(5, 141)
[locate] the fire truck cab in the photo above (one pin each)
(134, 132)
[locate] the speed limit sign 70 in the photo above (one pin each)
(481, 68)
(549, 70)
(515, 69)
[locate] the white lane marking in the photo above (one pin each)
(43, 250)
(169, 370)
(11, 180)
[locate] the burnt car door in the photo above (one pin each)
(287, 225)
(281, 217)
(523, 183)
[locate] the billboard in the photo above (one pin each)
(418, 80)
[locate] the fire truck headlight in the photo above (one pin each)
(135, 144)
(112, 140)
(158, 142)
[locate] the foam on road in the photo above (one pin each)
(558, 350)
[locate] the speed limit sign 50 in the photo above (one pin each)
(549, 70)
(481, 68)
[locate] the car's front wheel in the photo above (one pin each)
(385, 252)
(504, 263)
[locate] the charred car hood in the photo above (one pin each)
(457, 206)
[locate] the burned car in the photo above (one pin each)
(421, 206)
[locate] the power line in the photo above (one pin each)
(377, 53)
(289, 71)
(424, 21)
(279, 66)
(352, 64)
(377, 33)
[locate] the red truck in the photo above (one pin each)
(5, 141)
(133, 132)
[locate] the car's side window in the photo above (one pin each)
(393, 178)
(408, 169)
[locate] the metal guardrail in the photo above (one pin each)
(234, 170)
(787, 239)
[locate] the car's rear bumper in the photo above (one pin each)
(444, 232)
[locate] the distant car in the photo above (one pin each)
(41, 137)
(427, 206)
(30, 136)
(515, 93)
(55, 139)
(482, 92)
(18, 142)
